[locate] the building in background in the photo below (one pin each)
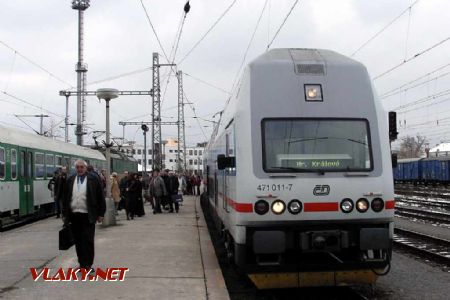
(194, 155)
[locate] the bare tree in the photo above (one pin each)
(412, 147)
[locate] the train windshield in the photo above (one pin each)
(316, 145)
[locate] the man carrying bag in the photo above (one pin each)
(83, 206)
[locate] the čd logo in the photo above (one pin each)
(321, 190)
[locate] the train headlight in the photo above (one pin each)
(261, 207)
(377, 204)
(347, 205)
(362, 205)
(295, 207)
(278, 207)
(313, 92)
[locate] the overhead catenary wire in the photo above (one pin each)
(154, 31)
(426, 105)
(424, 99)
(248, 46)
(413, 86)
(384, 28)
(411, 58)
(282, 24)
(36, 64)
(414, 80)
(174, 50)
(191, 105)
(207, 32)
(207, 83)
(30, 104)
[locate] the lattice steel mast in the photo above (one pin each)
(181, 159)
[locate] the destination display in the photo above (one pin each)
(319, 163)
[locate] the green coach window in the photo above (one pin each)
(13, 164)
(2, 163)
(39, 165)
(49, 165)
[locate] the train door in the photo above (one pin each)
(26, 203)
(225, 177)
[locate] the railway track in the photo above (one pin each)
(423, 193)
(240, 287)
(429, 247)
(423, 214)
(441, 204)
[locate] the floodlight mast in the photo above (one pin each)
(81, 69)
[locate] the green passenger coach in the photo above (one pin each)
(27, 163)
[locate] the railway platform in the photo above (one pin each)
(169, 256)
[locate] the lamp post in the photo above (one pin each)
(144, 165)
(110, 216)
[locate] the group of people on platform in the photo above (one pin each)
(80, 198)
(160, 188)
(132, 190)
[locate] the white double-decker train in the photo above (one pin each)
(299, 172)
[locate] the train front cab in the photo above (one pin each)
(327, 150)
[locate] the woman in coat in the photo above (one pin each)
(130, 206)
(139, 201)
(115, 190)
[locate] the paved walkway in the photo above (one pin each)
(170, 256)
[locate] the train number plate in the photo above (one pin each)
(274, 187)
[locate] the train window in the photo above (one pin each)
(67, 162)
(39, 165)
(50, 165)
(22, 164)
(72, 163)
(59, 161)
(2, 163)
(13, 164)
(30, 164)
(305, 145)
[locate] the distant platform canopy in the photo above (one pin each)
(442, 149)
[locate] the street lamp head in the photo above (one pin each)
(107, 94)
(80, 4)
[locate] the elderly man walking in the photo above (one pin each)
(83, 205)
(158, 190)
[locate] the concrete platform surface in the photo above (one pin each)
(169, 256)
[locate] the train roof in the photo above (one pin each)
(307, 60)
(440, 158)
(24, 139)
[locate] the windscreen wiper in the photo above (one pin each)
(306, 140)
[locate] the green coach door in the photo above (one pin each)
(26, 182)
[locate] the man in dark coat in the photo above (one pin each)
(61, 186)
(166, 199)
(83, 205)
(173, 191)
(54, 189)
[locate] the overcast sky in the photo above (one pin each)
(118, 39)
